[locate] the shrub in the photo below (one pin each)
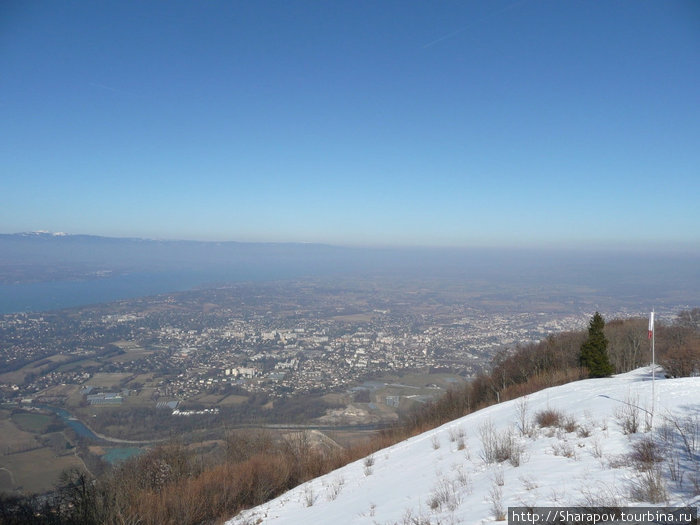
(464, 480)
(681, 439)
(649, 487)
(498, 477)
(309, 496)
(597, 448)
(583, 431)
(564, 449)
(569, 424)
(549, 418)
(446, 494)
(456, 433)
(499, 446)
(335, 488)
(524, 425)
(497, 508)
(646, 453)
(461, 445)
(368, 463)
(528, 483)
(628, 416)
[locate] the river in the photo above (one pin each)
(78, 426)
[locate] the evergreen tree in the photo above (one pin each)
(594, 351)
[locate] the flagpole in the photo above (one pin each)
(653, 367)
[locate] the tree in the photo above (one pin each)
(594, 350)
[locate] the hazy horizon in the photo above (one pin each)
(106, 268)
(658, 247)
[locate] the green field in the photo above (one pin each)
(108, 380)
(37, 423)
(18, 376)
(83, 363)
(26, 464)
(233, 399)
(14, 438)
(38, 470)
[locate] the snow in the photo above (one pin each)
(408, 479)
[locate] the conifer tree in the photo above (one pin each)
(594, 351)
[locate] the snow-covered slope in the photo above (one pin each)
(442, 477)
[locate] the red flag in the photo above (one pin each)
(651, 325)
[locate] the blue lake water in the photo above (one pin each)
(117, 455)
(633, 277)
(43, 296)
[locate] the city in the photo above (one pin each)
(278, 339)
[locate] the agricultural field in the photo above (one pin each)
(107, 380)
(131, 355)
(354, 318)
(13, 438)
(35, 423)
(38, 470)
(32, 457)
(79, 365)
(38, 368)
(61, 391)
(209, 399)
(142, 398)
(233, 399)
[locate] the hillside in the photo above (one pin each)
(590, 456)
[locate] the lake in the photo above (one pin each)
(117, 455)
(44, 296)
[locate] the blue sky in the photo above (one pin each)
(499, 123)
